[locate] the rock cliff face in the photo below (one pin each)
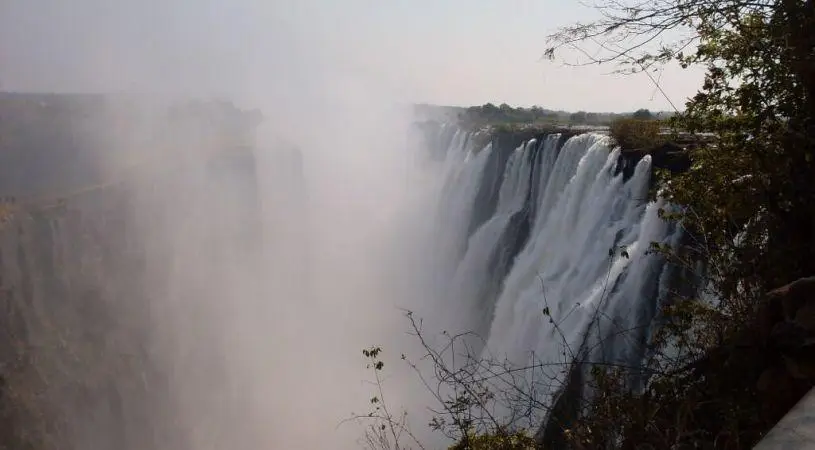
(95, 286)
(97, 297)
(75, 308)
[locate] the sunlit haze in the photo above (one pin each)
(265, 352)
(458, 52)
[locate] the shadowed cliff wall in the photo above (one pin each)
(110, 279)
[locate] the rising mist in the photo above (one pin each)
(258, 344)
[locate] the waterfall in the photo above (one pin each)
(561, 266)
(218, 301)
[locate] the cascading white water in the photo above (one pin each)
(472, 274)
(464, 166)
(582, 281)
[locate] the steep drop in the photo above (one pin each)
(561, 269)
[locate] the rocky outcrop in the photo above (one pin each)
(763, 370)
(783, 336)
(668, 156)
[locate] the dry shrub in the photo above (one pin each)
(636, 133)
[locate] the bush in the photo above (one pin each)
(636, 133)
(496, 441)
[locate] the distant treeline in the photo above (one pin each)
(490, 114)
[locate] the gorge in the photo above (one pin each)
(215, 284)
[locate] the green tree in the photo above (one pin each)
(578, 117)
(635, 133)
(753, 179)
(748, 202)
(757, 99)
(489, 109)
(642, 114)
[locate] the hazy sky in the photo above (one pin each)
(441, 51)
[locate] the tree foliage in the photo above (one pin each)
(754, 179)
(747, 203)
(642, 114)
(505, 441)
(507, 116)
(635, 133)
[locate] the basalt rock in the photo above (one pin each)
(669, 156)
(785, 331)
(772, 357)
